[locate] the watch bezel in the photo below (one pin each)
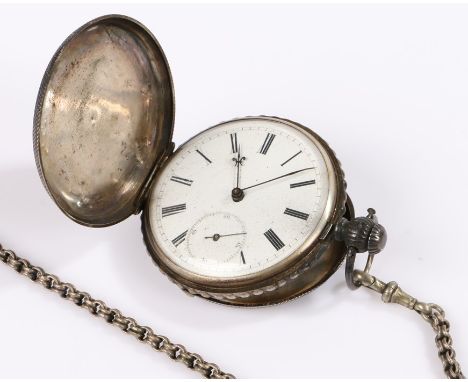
(277, 273)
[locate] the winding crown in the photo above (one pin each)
(364, 234)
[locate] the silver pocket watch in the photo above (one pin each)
(252, 211)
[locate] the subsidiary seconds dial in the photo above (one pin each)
(239, 198)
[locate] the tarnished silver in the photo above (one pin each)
(364, 234)
(361, 234)
(113, 316)
(104, 119)
(304, 270)
(102, 131)
(391, 293)
(432, 313)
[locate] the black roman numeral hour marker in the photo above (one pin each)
(242, 257)
(172, 210)
(203, 155)
(301, 184)
(267, 143)
(234, 144)
(296, 214)
(179, 239)
(180, 180)
(295, 155)
(274, 239)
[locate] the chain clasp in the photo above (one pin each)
(365, 234)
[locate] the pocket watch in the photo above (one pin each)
(252, 211)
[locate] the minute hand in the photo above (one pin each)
(278, 177)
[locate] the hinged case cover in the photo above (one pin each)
(103, 120)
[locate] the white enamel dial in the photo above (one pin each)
(283, 181)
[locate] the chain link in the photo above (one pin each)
(443, 340)
(390, 292)
(432, 313)
(113, 316)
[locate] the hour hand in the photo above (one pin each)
(237, 194)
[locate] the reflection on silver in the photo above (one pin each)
(103, 120)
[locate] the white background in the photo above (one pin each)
(386, 86)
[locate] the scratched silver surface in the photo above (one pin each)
(104, 116)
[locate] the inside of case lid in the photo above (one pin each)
(105, 117)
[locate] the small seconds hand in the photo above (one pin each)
(278, 177)
(217, 236)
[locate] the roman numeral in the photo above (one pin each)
(179, 239)
(267, 143)
(301, 184)
(234, 145)
(172, 210)
(180, 180)
(296, 214)
(203, 155)
(242, 257)
(274, 239)
(295, 155)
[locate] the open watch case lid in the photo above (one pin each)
(103, 120)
